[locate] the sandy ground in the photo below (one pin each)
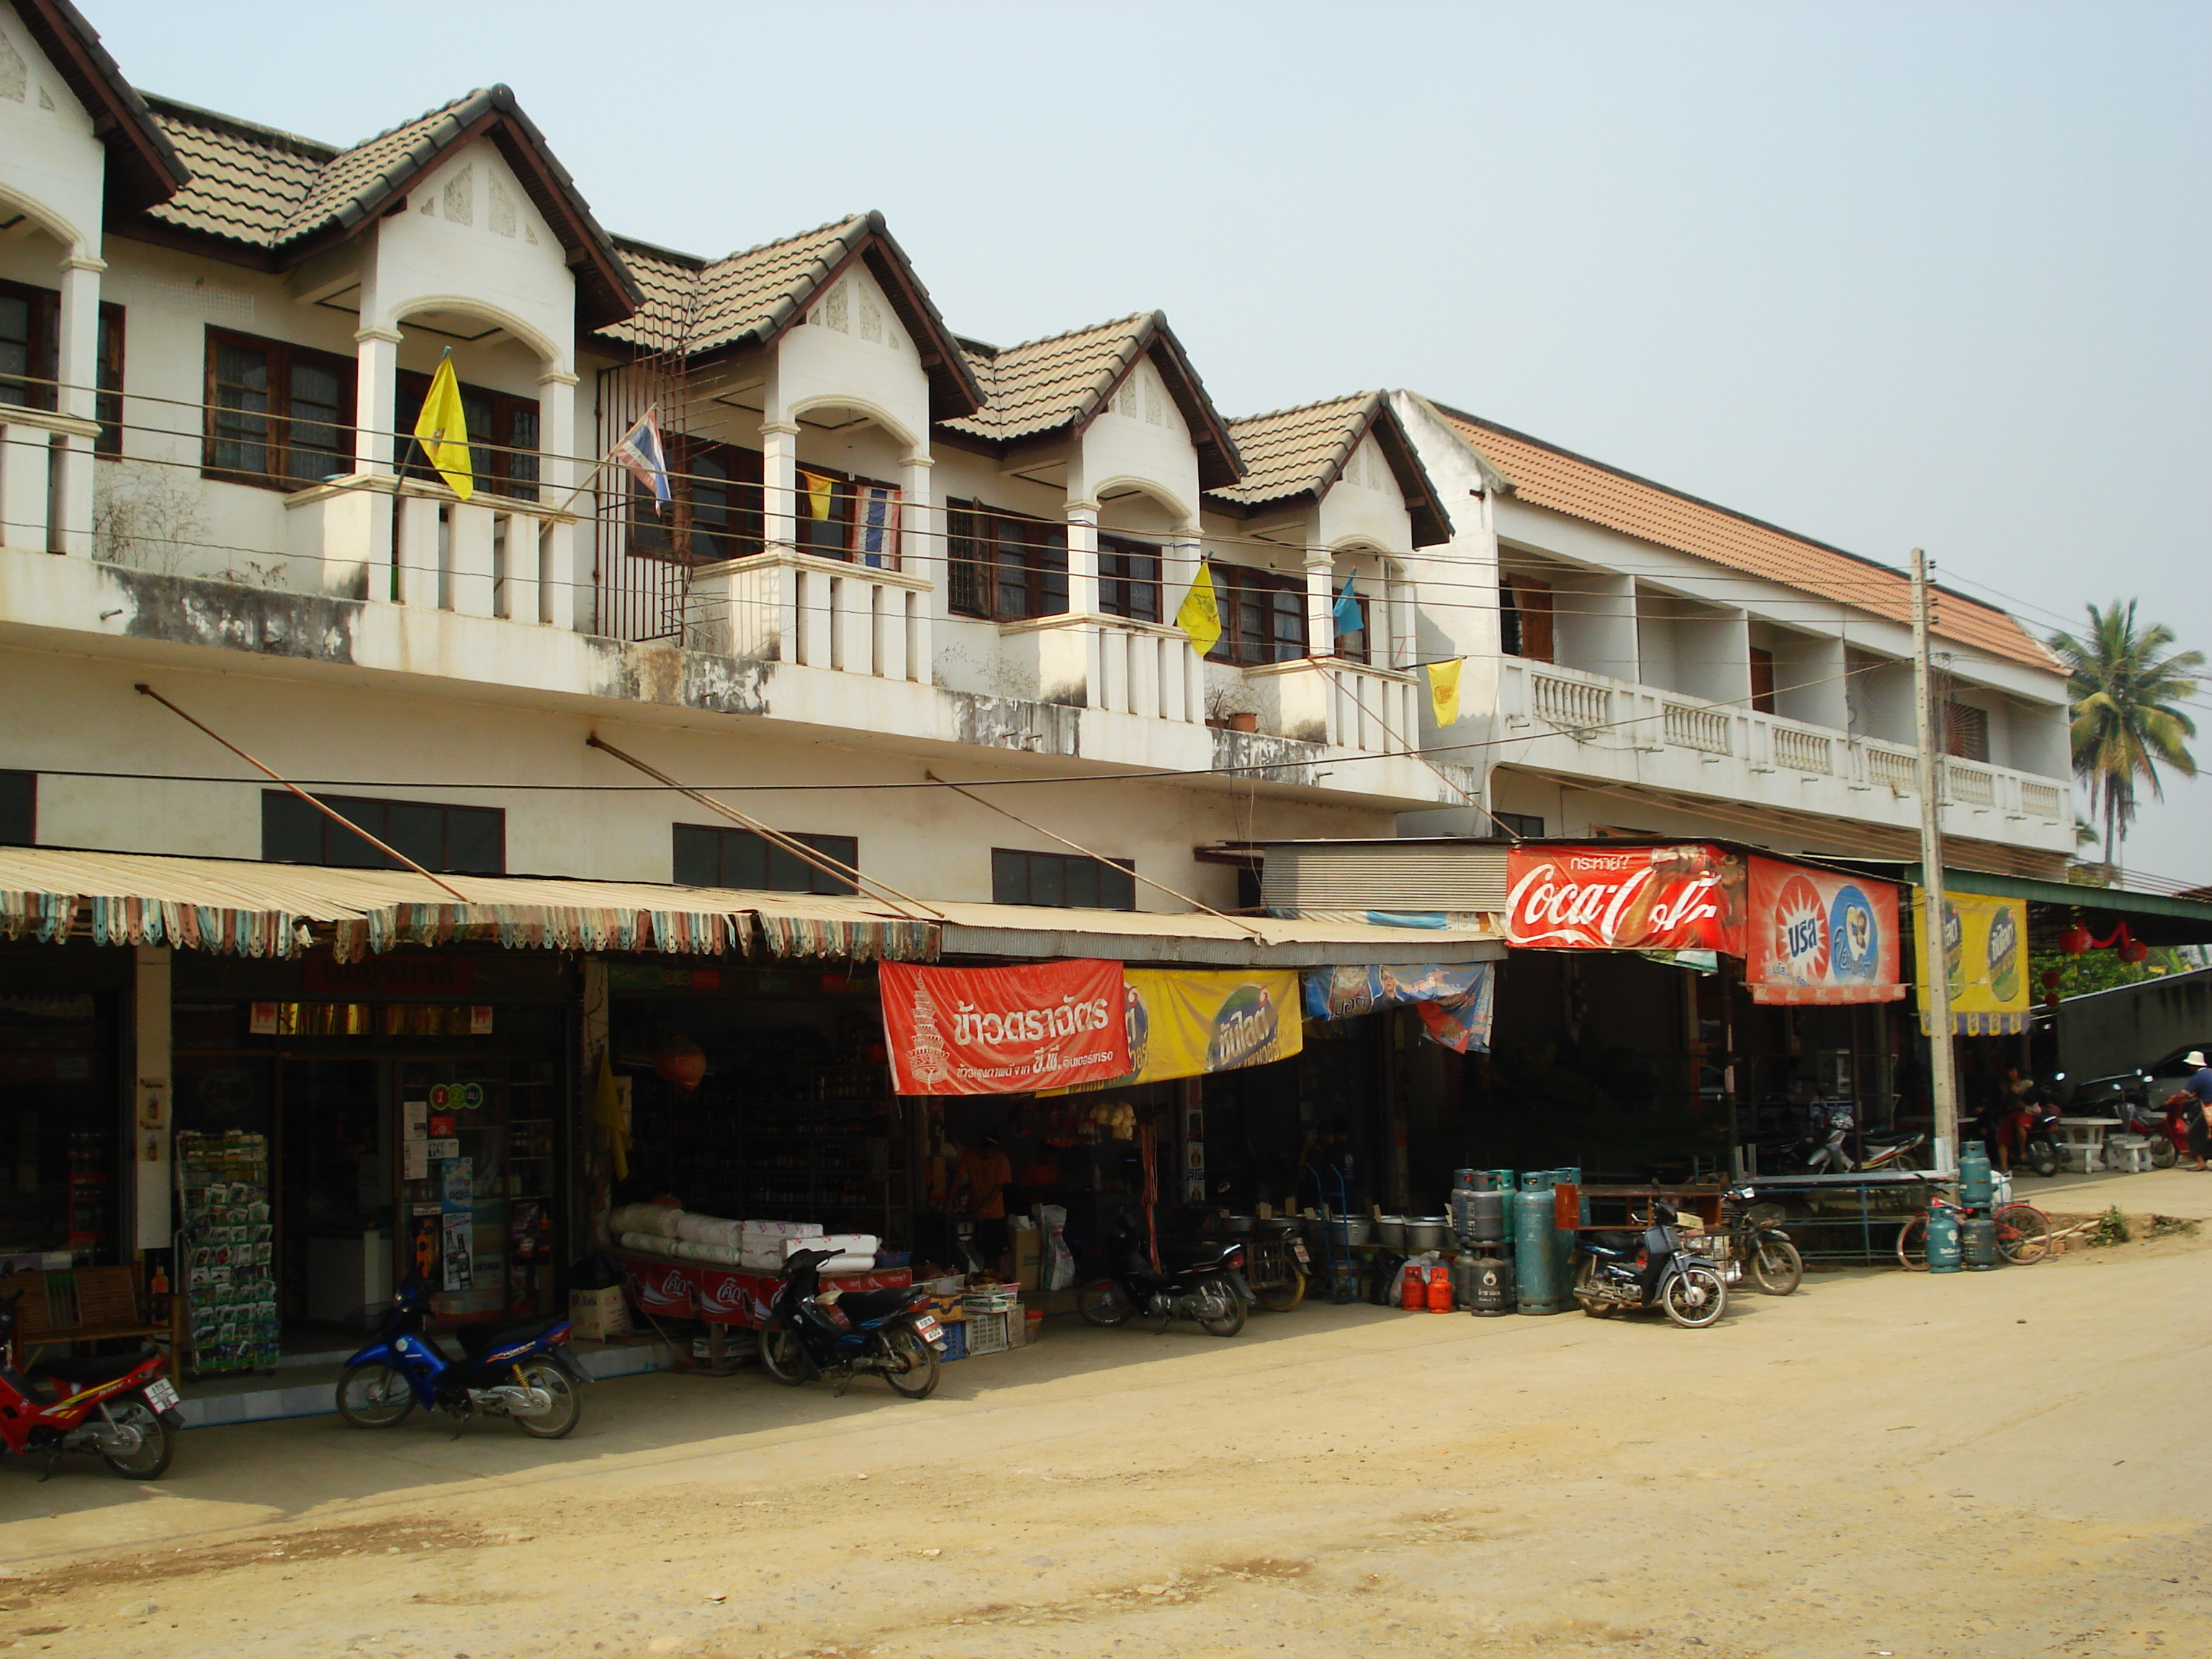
(1884, 1464)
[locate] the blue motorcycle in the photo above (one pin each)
(811, 1331)
(516, 1370)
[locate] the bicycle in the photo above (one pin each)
(2023, 1238)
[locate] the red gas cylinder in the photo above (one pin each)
(1440, 1289)
(1413, 1294)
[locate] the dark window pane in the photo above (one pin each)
(351, 851)
(1009, 877)
(417, 830)
(1081, 883)
(318, 444)
(475, 841)
(15, 348)
(520, 465)
(1047, 880)
(291, 830)
(241, 397)
(698, 856)
(19, 808)
(710, 501)
(108, 380)
(1117, 888)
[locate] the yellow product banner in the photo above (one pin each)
(1986, 954)
(1187, 1022)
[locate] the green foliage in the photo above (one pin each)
(2100, 971)
(2111, 1228)
(2124, 687)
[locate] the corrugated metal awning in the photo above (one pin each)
(247, 908)
(1012, 930)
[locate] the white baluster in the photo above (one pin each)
(469, 545)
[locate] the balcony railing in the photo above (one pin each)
(28, 457)
(417, 544)
(1803, 751)
(1691, 726)
(1335, 701)
(1897, 769)
(813, 612)
(1579, 705)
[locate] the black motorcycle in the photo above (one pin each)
(1201, 1280)
(842, 1334)
(1756, 1240)
(1628, 1270)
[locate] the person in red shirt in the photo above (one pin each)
(984, 1171)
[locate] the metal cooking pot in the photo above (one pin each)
(1390, 1230)
(1428, 1232)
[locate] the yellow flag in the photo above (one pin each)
(443, 431)
(818, 492)
(1199, 613)
(1444, 689)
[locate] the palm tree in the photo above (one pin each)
(2124, 685)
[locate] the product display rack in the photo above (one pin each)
(224, 1251)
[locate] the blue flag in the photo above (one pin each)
(1345, 617)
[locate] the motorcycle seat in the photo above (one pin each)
(1615, 1243)
(862, 1306)
(477, 1341)
(83, 1373)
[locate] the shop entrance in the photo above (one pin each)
(60, 1119)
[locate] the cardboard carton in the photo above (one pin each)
(599, 1316)
(1029, 1259)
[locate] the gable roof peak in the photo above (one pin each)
(200, 116)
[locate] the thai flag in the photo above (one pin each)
(641, 451)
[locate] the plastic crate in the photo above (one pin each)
(987, 1332)
(955, 1343)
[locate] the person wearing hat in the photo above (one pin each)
(2198, 1089)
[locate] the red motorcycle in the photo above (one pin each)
(120, 1407)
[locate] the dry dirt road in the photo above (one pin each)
(1999, 1464)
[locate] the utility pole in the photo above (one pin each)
(1936, 993)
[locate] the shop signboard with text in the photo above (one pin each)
(1186, 1022)
(1986, 954)
(1820, 936)
(1003, 1030)
(1597, 897)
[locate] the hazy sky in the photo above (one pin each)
(1885, 275)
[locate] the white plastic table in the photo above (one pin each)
(2083, 1140)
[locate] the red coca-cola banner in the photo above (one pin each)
(1625, 898)
(1003, 1030)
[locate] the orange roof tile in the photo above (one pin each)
(1562, 482)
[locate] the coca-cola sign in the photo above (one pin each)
(1685, 897)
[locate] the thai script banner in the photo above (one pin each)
(1595, 897)
(1186, 1022)
(1820, 936)
(1454, 1002)
(1985, 953)
(1003, 1030)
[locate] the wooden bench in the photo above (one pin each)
(77, 1304)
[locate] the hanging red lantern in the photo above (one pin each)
(681, 1061)
(2051, 1000)
(2132, 951)
(2075, 940)
(2050, 979)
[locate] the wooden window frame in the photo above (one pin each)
(1523, 625)
(44, 353)
(783, 871)
(1364, 651)
(276, 802)
(1129, 577)
(1070, 872)
(978, 586)
(677, 536)
(1762, 694)
(284, 358)
(502, 462)
(1965, 729)
(1236, 586)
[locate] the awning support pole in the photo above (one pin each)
(1076, 847)
(882, 892)
(331, 813)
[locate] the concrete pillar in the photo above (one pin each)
(561, 580)
(69, 525)
(357, 542)
(779, 482)
(148, 1224)
(1321, 602)
(1082, 556)
(923, 549)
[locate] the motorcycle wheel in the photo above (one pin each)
(919, 1380)
(1281, 1298)
(568, 1407)
(1229, 1323)
(782, 1357)
(2043, 1158)
(156, 1444)
(1695, 1298)
(1776, 1266)
(1101, 1303)
(2023, 1234)
(1912, 1244)
(375, 1396)
(2162, 1155)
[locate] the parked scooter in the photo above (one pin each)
(1769, 1261)
(120, 1408)
(1201, 1279)
(1651, 1269)
(513, 1369)
(1819, 1151)
(842, 1334)
(1890, 1149)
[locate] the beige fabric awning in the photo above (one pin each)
(245, 908)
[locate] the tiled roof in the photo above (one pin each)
(1043, 385)
(1564, 482)
(262, 189)
(142, 166)
(1293, 451)
(698, 305)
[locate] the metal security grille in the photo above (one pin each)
(1383, 876)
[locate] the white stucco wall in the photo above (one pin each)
(52, 163)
